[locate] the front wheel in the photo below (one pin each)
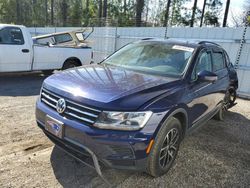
(165, 148)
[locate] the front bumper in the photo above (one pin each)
(114, 149)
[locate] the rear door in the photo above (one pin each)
(220, 69)
(206, 96)
(15, 50)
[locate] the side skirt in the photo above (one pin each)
(203, 120)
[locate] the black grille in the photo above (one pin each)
(73, 110)
(124, 151)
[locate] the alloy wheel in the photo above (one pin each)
(169, 148)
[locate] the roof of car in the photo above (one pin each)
(189, 43)
(10, 25)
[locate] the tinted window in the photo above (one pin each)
(63, 38)
(204, 63)
(227, 59)
(11, 35)
(218, 61)
(45, 40)
(153, 58)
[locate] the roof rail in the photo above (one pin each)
(149, 38)
(207, 42)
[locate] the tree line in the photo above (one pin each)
(113, 12)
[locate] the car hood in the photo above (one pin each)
(107, 84)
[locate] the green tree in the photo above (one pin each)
(76, 14)
(213, 13)
(63, 4)
(139, 10)
(203, 12)
(166, 15)
(226, 13)
(193, 13)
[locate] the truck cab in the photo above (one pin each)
(18, 52)
(15, 49)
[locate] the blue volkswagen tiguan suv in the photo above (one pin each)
(132, 110)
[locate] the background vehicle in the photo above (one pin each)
(19, 53)
(76, 38)
(132, 110)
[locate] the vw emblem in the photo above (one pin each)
(60, 105)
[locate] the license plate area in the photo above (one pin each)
(54, 126)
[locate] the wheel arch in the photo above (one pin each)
(75, 59)
(178, 113)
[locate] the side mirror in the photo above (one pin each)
(207, 76)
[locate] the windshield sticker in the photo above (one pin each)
(183, 48)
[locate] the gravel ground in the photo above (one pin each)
(215, 155)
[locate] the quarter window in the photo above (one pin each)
(11, 35)
(218, 61)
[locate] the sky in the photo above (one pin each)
(236, 7)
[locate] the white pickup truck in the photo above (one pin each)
(19, 52)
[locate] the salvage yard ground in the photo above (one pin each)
(216, 155)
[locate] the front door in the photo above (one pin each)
(15, 52)
(201, 93)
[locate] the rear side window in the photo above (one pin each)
(63, 38)
(218, 61)
(11, 35)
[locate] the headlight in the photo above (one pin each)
(122, 120)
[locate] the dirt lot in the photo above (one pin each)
(216, 155)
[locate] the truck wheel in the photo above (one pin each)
(165, 148)
(70, 64)
(47, 72)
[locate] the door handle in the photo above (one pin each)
(25, 50)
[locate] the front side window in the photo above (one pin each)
(62, 38)
(204, 63)
(153, 58)
(11, 35)
(218, 61)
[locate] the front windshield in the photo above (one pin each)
(153, 58)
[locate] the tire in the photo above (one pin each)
(220, 114)
(47, 72)
(70, 64)
(164, 150)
